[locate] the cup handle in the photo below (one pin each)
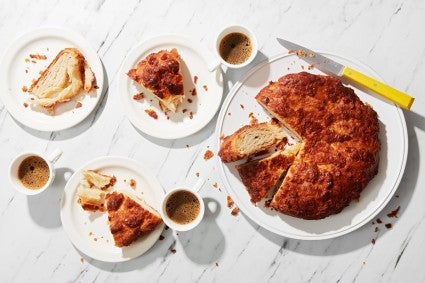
(213, 65)
(55, 155)
(198, 185)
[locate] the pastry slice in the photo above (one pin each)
(90, 198)
(64, 78)
(161, 74)
(98, 180)
(251, 139)
(262, 175)
(129, 218)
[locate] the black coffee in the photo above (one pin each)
(182, 207)
(33, 172)
(235, 48)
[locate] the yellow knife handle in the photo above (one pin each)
(398, 97)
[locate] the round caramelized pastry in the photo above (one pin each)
(340, 145)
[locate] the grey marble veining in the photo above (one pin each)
(386, 35)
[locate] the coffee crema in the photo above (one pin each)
(235, 48)
(182, 207)
(33, 172)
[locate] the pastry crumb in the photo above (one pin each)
(152, 113)
(95, 239)
(27, 60)
(81, 260)
(290, 51)
(24, 88)
(243, 107)
(376, 229)
(184, 110)
(161, 237)
(379, 221)
(373, 241)
(197, 174)
(38, 56)
(194, 92)
(216, 264)
(205, 87)
(208, 154)
(253, 120)
(78, 105)
(191, 115)
(132, 183)
(138, 96)
(388, 226)
(189, 100)
(173, 251)
(235, 211)
(25, 104)
(215, 185)
(394, 213)
(301, 53)
(230, 201)
(195, 79)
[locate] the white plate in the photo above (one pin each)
(375, 196)
(13, 76)
(196, 60)
(83, 226)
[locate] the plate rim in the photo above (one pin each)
(66, 221)
(30, 35)
(170, 38)
(270, 228)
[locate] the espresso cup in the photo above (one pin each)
(181, 215)
(15, 165)
(242, 30)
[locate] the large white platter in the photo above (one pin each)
(393, 156)
(196, 61)
(88, 231)
(15, 73)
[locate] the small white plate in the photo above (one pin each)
(88, 231)
(15, 73)
(196, 61)
(393, 155)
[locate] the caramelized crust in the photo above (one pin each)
(161, 74)
(260, 176)
(340, 152)
(129, 219)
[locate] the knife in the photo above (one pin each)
(325, 64)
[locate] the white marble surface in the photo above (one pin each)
(387, 35)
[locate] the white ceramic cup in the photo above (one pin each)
(240, 29)
(183, 227)
(14, 167)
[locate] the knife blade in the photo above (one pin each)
(328, 65)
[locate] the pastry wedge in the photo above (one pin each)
(161, 74)
(67, 76)
(90, 198)
(129, 218)
(262, 175)
(251, 139)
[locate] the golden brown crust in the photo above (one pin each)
(128, 219)
(260, 176)
(340, 152)
(161, 74)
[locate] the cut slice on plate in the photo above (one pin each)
(262, 175)
(251, 139)
(130, 218)
(89, 197)
(161, 74)
(64, 78)
(99, 180)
